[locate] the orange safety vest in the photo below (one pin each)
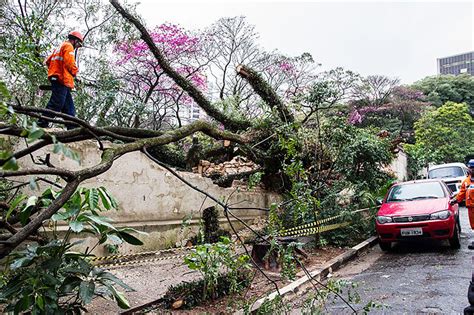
(467, 192)
(62, 65)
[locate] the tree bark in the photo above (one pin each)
(266, 92)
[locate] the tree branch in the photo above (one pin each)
(265, 91)
(36, 222)
(198, 97)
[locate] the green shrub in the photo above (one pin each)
(209, 259)
(51, 278)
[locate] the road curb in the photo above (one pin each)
(303, 284)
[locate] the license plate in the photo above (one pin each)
(411, 231)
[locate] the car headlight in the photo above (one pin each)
(440, 215)
(382, 219)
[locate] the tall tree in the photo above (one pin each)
(444, 88)
(444, 135)
(380, 102)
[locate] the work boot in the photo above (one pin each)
(471, 246)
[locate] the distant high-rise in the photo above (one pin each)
(457, 64)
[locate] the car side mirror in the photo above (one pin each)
(378, 202)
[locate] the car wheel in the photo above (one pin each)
(385, 246)
(455, 241)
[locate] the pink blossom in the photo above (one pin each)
(355, 118)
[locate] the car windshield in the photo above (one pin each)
(445, 172)
(416, 191)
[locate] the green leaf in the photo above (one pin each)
(86, 291)
(129, 238)
(71, 282)
(105, 198)
(112, 200)
(49, 194)
(57, 147)
(23, 304)
(35, 134)
(103, 275)
(12, 288)
(83, 267)
(59, 217)
(21, 262)
(74, 203)
(5, 94)
(93, 198)
(120, 298)
(100, 220)
(14, 204)
(76, 226)
(24, 133)
(129, 229)
(10, 165)
(25, 215)
(31, 201)
(39, 300)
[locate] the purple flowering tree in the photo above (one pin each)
(158, 98)
(379, 101)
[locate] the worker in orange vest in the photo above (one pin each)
(466, 192)
(62, 70)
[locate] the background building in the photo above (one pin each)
(457, 64)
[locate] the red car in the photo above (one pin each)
(418, 210)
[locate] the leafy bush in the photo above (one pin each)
(51, 278)
(208, 259)
(357, 155)
(324, 165)
(191, 292)
(441, 137)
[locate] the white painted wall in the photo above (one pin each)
(152, 199)
(399, 166)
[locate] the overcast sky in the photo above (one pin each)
(399, 39)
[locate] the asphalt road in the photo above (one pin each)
(414, 278)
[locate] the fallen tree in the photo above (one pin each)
(297, 150)
(276, 143)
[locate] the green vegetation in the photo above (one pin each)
(52, 277)
(321, 140)
(209, 259)
(441, 89)
(442, 136)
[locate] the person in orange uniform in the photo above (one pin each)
(467, 193)
(62, 70)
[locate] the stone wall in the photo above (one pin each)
(153, 200)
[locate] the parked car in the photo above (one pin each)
(452, 174)
(418, 210)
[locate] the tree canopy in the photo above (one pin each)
(443, 135)
(443, 88)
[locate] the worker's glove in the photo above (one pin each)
(453, 201)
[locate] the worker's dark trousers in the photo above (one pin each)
(60, 101)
